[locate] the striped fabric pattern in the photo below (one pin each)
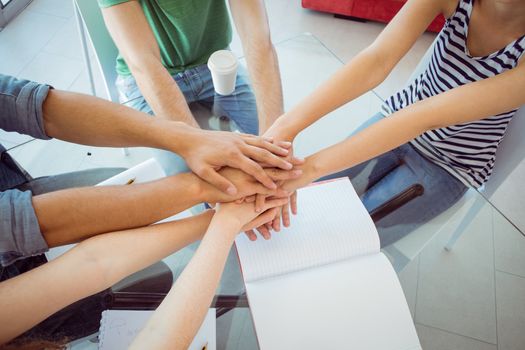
(468, 150)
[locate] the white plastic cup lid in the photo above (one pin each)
(222, 61)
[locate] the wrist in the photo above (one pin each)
(283, 129)
(201, 190)
(229, 224)
(312, 168)
(176, 136)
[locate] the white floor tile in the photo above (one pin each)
(435, 339)
(409, 280)
(12, 139)
(104, 157)
(24, 37)
(58, 71)
(58, 8)
(66, 41)
(83, 85)
(509, 196)
(456, 289)
(305, 63)
(43, 158)
(509, 246)
(412, 244)
(510, 292)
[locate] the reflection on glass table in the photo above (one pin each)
(305, 62)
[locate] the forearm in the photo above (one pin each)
(72, 215)
(92, 121)
(464, 104)
(367, 144)
(161, 91)
(92, 266)
(263, 67)
(360, 75)
(179, 317)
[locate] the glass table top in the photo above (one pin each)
(444, 281)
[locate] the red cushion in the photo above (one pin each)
(339, 6)
(377, 10)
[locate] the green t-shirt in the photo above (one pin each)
(187, 31)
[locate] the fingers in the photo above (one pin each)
(274, 203)
(211, 176)
(260, 199)
(250, 199)
(284, 144)
(251, 235)
(283, 175)
(293, 203)
(276, 223)
(296, 160)
(264, 231)
(280, 149)
(252, 168)
(263, 156)
(263, 218)
(286, 215)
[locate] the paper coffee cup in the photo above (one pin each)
(223, 67)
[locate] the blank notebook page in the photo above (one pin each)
(331, 225)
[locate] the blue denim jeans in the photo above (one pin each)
(382, 178)
(197, 86)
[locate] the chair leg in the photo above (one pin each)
(467, 220)
(85, 51)
(125, 150)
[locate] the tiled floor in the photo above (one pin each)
(470, 298)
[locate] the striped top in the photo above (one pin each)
(468, 150)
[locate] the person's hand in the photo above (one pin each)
(279, 132)
(283, 213)
(209, 151)
(244, 214)
(247, 186)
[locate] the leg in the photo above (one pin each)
(441, 191)
(239, 107)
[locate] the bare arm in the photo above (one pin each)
(93, 121)
(89, 120)
(136, 205)
(463, 104)
(90, 267)
(364, 72)
(252, 24)
(137, 44)
(72, 215)
(178, 318)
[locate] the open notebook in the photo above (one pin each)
(323, 283)
(118, 329)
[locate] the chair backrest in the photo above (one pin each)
(105, 50)
(510, 154)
